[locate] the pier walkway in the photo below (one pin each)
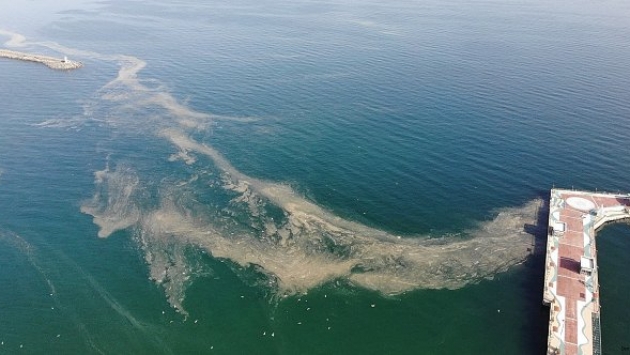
(51, 62)
(571, 280)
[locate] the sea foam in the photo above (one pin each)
(303, 246)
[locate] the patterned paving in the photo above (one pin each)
(571, 284)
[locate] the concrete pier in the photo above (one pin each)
(571, 286)
(51, 62)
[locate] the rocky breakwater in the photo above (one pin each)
(51, 62)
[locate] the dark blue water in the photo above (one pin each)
(419, 119)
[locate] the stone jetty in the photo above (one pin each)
(51, 62)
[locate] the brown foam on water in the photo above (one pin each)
(309, 246)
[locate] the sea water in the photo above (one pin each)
(302, 177)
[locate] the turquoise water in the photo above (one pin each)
(303, 177)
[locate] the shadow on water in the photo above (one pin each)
(613, 245)
(536, 322)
